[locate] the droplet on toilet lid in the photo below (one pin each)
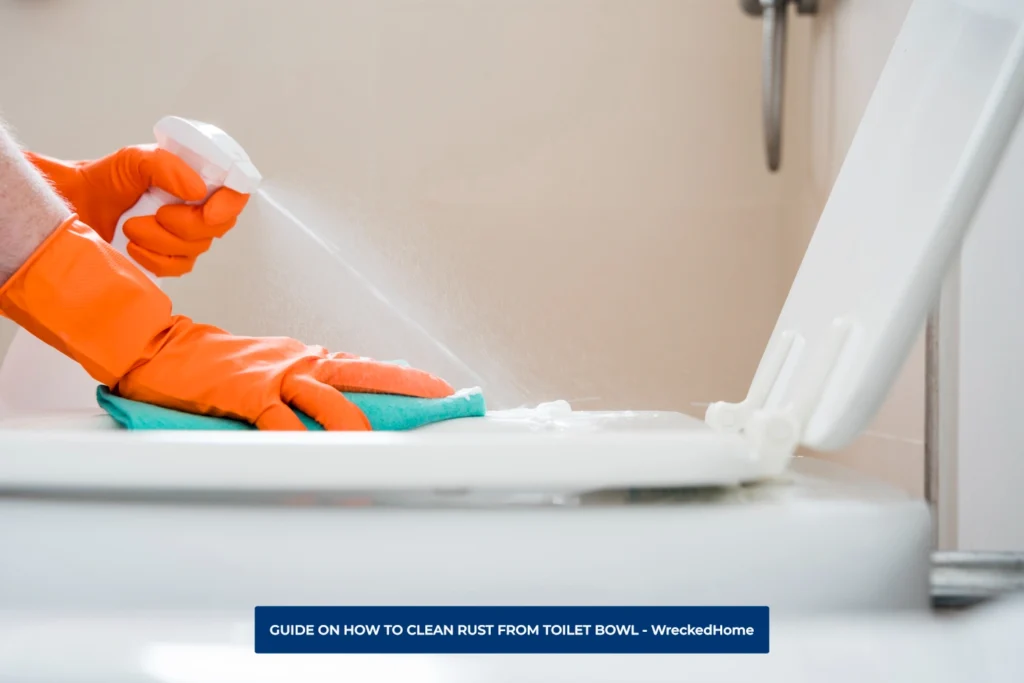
(554, 408)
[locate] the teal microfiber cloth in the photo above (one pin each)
(386, 412)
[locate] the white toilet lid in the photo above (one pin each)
(933, 134)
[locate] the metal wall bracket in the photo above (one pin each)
(773, 68)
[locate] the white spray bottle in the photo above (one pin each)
(36, 378)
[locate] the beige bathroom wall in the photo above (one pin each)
(849, 43)
(553, 198)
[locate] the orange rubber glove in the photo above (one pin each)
(166, 244)
(81, 296)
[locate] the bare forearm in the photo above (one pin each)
(29, 208)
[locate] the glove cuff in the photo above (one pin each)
(79, 295)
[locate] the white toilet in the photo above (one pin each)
(547, 507)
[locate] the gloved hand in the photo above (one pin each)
(166, 244)
(81, 296)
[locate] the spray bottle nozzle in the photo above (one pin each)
(210, 151)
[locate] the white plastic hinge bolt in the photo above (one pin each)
(774, 437)
(729, 418)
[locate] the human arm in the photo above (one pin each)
(67, 286)
(30, 210)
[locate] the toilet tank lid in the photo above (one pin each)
(931, 139)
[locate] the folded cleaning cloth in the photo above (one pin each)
(385, 412)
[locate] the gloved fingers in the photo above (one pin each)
(187, 222)
(160, 265)
(223, 207)
(279, 418)
(339, 355)
(150, 166)
(150, 234)
(324, 404)
(214, 218)
(371, 376)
